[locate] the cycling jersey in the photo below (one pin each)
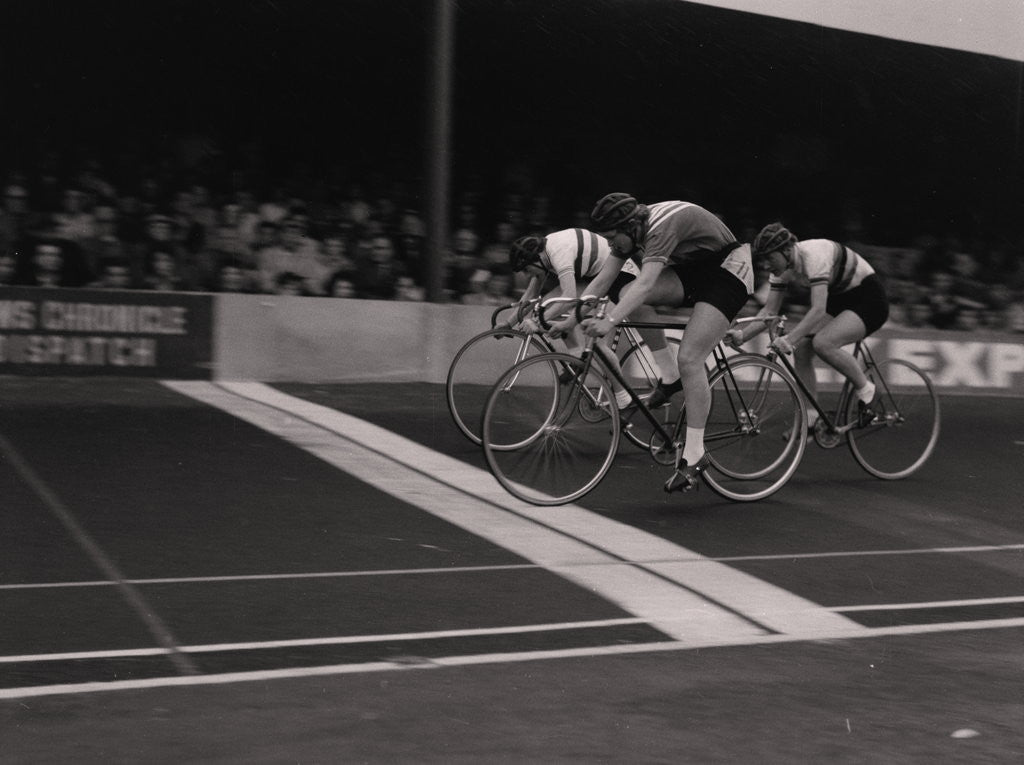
(822, 261)
(700, 233)
(576, 251)
(691, 239)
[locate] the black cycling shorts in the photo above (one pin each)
(620, 281)
(867, 300)
(714, 285)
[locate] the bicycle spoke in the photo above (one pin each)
(755, 434)
(475, 368)
(536, 440)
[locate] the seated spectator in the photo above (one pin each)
(919, 314)
(378, 274)
(499, 286)
(8, 266)
(162, 272)
(495, 252)
(114, 273)
(477, 293)
(1014, 313)
(942, 300)
(968, 318)
(234, 274)
(332, 258)
(407, 289)
(290, 283)
(341, 285)
(46, 267)
(73, 222)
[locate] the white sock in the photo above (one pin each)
(666, 361)
(693, 449)
(622, 398)
(867, 393)
(812, 417)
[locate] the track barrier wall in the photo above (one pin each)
(275, 338)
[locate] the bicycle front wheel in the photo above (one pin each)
(756, 431)
(550, 429)
(475, 368)
(905, 429)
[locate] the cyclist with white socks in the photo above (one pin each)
(676, 243)
(847, 304)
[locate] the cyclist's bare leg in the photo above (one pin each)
(706, 327)
(845, 329)
(803, 362)
(656, 342)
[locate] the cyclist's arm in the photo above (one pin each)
(532, 289)
(770, 308)
(637, 294)
(566, 284)
(814, 315)
(599, 287)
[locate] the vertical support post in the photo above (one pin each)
(438, 147)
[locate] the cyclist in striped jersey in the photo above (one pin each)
(676, 243)
(848, 303)
(574, 257)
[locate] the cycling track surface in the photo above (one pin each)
(200, 572)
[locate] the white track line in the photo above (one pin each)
(459, 633)
(145, 613)
(312, 642)
(483, 659)
(569, 540)
(506, 567)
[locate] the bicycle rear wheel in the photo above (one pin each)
(549, 440)
(477, 365)
(756, 432)
(905, 429)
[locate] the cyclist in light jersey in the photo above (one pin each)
(847, 304)
(575, 256)
(676, 243)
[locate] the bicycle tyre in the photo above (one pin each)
(756, 432)
(907, 423)
(560, 454)
(477, 365)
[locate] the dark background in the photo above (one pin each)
(745, 114)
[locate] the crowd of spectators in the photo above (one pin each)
(81, 229)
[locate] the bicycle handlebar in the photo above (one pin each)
(775, 323)
(521, 310)
(542, 307)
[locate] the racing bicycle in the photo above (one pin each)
(897, 433)
(549, 437)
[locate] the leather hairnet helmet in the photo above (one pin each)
(525, 251)
(771, 238)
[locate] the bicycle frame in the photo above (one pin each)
(862, 353)
(740, 408)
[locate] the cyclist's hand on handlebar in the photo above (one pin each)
(559, 329)
(782, 345)
(529, 325)
(597, 327)
(734, 338)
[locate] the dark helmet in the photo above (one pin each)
(525, 251)
(771, 238)
(613, 211)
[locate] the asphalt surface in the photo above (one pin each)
(148, 539)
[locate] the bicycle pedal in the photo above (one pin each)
(678, 481)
